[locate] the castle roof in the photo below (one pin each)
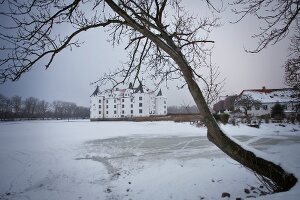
(159, 93)
(130, 86)
(119, 93)
(139, 88)
(96, 92)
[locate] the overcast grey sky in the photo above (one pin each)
(71, 73)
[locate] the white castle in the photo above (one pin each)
(126, 103)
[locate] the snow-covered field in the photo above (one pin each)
(135, 160)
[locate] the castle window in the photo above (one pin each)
(107, 112)
(131, 105)
(165, 102)
(265, 107)
(99, 100)
(122, 105)
(107, 101)
(99, 112)
(140, 98)
(257, 107)
(115, 112)
(115, 101)
(131, 111)
(99, 106)
(140, 105)
(115, 106)
(140, 111)
(165, 107)
(122, 100)
(106, 106)
(122, 111)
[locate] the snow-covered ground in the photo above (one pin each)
(135, 160)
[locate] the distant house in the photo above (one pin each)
(268, 98)
(129, 102)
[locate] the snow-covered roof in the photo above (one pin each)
(272, 95)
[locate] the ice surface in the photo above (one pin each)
(135, 160)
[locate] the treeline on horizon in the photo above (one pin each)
(32, 108)
(183, 109)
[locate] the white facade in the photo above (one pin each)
(268, 98)
(126, 103)
(161, 105)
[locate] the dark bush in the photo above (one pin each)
(217, 117)
(224, 118)
(277, 111)
(266, 118)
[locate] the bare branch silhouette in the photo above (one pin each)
(275, 16)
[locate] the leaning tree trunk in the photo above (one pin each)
(282, 179)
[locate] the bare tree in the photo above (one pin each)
(58, 109)
(229, 102)
(213, 85)
(5, 107)
(219, 106)
(82, 112)
(14, 107)
(276, 18)
(64, 109)
(16, 102)
(246, 102)
(163, 41)
(184, 108)
(30, 106)
(70, 109)
(292, 65)
(41, 108)
(292, 73)
(225, 104)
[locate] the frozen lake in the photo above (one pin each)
(135, 160)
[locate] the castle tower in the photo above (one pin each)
(160, 104)
(97, 104)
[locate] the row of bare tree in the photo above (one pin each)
(33, 108)
(183, 109)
